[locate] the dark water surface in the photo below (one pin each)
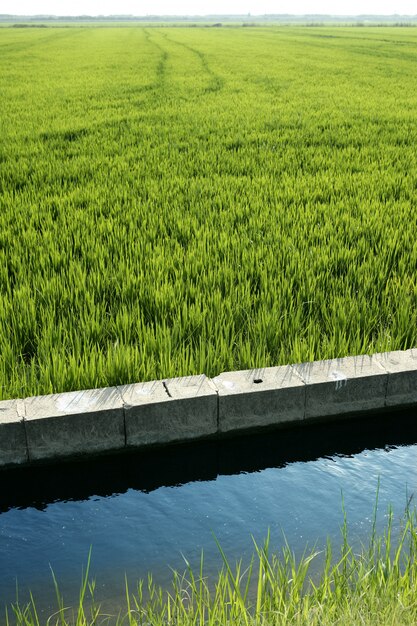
(142, 512)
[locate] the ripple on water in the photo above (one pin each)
(139, 531)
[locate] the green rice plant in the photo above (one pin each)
(184, 200)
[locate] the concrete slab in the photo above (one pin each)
(13, 449)
(177, 409)
(402, 376)
(339, 386)
(258, 398)
(182, 409)
(78, 422)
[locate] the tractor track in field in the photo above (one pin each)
(215, 82)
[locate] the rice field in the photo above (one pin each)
(184, 200)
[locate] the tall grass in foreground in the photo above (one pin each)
(378, 585)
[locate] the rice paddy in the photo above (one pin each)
(184, 200)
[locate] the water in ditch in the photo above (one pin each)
(145, 512)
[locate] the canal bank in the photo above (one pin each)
(62, 426)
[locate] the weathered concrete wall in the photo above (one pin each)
(339, 386)
(78, 422)
(13, 445)
(402, 376)
(177, 409)
(49, 428)
(258, 398)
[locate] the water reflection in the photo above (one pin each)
(143, 512)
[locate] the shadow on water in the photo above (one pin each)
(150, 469)
(141, 511)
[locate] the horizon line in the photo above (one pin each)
(206, 15)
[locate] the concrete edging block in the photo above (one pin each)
(260, 397)
(402, 376)
(77, 422)
(173, 410)
(350, 384)
(13, 448)
(45, 428)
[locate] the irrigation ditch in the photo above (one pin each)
(145, 473)
(53, 428)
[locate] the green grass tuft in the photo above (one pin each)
(375, 586)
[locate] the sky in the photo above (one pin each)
(207, 7)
